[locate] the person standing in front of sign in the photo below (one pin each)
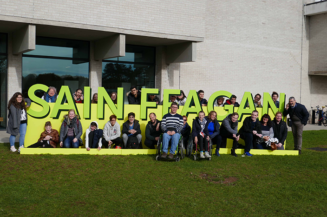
(250, 131)
(71, 131)
(171, 125)
(134, 96)
(17, 120)
(299, 117)
(51, 95)
(78, 96)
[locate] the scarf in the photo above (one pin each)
(53, 98)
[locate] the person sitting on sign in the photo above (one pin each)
(228, 130)
(171, 125)
(199, 137)
(250, 131)
(181, 99)
(71, 131)
(280, 130)
(78, 96)
(152, 131)
(153, 98)
(131, 128)
(111, 133)
(274, 97)
(186, 131)
(212, 131)
(51, 95)
(93, 137)
(49, 138)
(95, 98)
(267, 132)
(113, 97)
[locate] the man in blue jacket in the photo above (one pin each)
(299, 116)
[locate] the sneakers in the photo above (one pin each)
(13, 149)
(202, 155)
(207, 155)
(20, 147)
(233, 153)
(171, 156)
(247, 154)
(163, 155)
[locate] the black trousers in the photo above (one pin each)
(249, 140)
(224, 141)
(202, 142)
(150, 143)
(217, 140)
(117, 142)
(43, 144)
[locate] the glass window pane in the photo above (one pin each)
(139, 54)
(126, 75)
(54, 72)
(61, 48)
(3, 90)
(3, 43)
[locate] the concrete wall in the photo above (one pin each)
(171, 17)
(249, 46)
(318, 59)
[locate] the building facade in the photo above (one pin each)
(257, 46)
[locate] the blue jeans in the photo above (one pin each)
(22, 132)
(68, 142)
(174, 142)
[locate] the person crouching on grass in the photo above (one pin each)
(49, 138)
(93, 137)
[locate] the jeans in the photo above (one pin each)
(261, 145)
(217, 140)
(22, 132)
(68, 142)
(125, 138)
(174, 142)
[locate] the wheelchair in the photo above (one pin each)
(179, 150)
(195, 151)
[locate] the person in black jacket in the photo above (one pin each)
(152, 131)
(131, 128)
(134, 97)
(199, 136)
(153, 98)
(250, 131)
(212, 130)
(299, 117)
(228, 130)
(280, 130)
(185, 132)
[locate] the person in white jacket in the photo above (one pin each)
(93, 135)
(111, 133)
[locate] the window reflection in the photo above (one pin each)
(56, 62)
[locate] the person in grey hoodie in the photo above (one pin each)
(17, 120)
(71, 131)
(228, 130)
(111, 133)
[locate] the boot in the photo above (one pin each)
(233, 153)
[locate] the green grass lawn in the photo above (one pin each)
(76, 185)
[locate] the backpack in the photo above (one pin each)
(132, 143)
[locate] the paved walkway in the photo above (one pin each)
(4, 137)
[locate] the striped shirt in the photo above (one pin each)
(172, 122)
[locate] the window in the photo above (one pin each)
(3, 80)
(56, 62)
(137, 68)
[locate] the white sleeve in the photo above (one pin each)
(87, 138)
(100, 142)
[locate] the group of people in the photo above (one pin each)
(255, 133)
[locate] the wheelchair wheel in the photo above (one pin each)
(157, 158)
(324, 122)
(159, 147)
(181, 150)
